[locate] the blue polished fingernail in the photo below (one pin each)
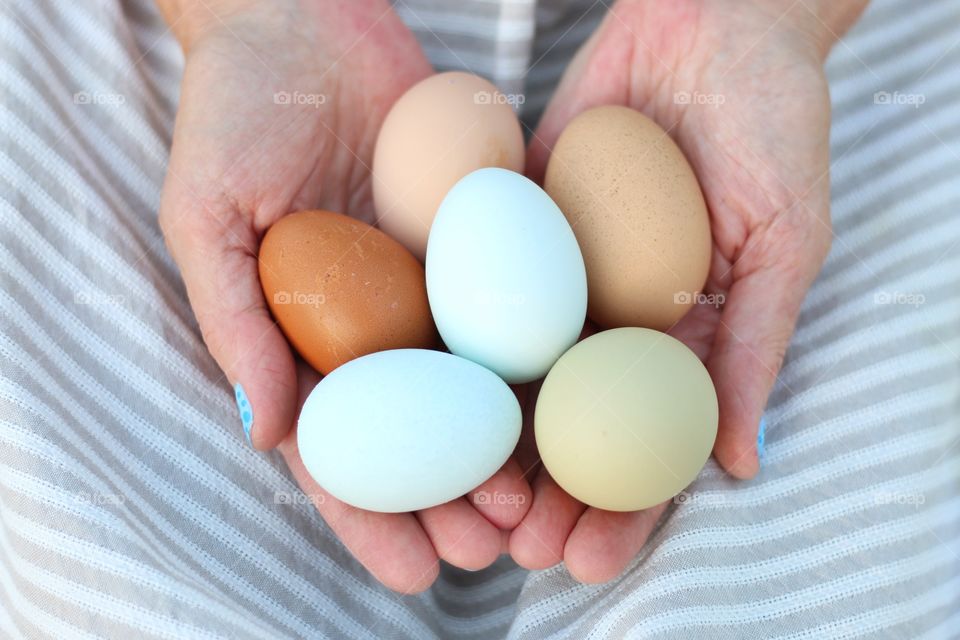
(761, 436)
(246, 411)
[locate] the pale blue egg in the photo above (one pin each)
(407, 429)
(505, 276)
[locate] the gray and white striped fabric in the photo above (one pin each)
(130, 505)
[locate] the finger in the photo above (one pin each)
(393, 547)
(505, 498)
(752, 336)
(603, 543)
(539, 539)
(460, 535)
(504, 542)
(217, 256)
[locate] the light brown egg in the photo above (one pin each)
(638, 213)
(443, 128)
(340, 289)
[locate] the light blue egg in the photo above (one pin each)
(407, 429)
(505, 276)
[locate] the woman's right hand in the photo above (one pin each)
(279, 111)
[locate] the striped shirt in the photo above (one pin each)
(130, 505)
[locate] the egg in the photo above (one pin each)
(639, 215)
(440, 130)
(505, 277)
(626, 419)
(407, 429)
(340, 289)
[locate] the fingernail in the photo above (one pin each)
(761, 435)
(246, 411)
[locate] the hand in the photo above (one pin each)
(755, 127)
(279, 111)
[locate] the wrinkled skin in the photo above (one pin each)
(239, 161)
(758, 141)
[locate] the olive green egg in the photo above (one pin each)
(626, 419)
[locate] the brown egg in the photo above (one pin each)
(340, 289)
(638, 213)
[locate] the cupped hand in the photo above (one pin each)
(279, 110)
(741, 88)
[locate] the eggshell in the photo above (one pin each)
(407, 429)
(340, 289)
(639, 215)
(626, 419)
(440, 130)
(505, 277)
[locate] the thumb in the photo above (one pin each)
(755, 328)
(217, 256)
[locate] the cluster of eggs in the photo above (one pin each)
(625, 418)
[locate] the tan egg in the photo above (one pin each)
(638, 213)
(443, 128)
(340, 289)
(626, 419)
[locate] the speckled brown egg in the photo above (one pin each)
(340, 289)
(638, 213)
